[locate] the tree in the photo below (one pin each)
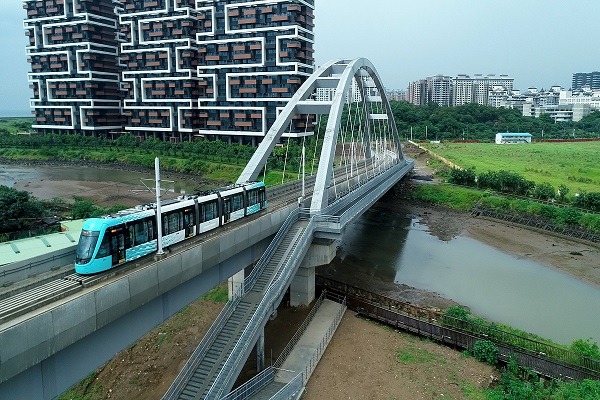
(18, 209)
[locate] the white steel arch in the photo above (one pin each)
(338, 75)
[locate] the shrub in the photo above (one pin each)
(486, 351)
(457, 312)
(544, 191)
(465, 177)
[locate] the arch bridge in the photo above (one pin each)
(360, 159)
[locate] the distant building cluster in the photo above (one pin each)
(497, 91)
(463, 89)
(172, 69)
(586, 80)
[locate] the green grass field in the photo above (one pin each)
(15, 125)
(576, 165)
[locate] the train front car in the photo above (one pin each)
(89, 258)
(114, 240)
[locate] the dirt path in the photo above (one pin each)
(366, 360)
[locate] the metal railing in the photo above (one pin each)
(266, 257)
(265, 308)
(290, 389)
(253, 386)
(294, 340)
(551, 359)
(188, 369)
(312, 364)
(536, 222)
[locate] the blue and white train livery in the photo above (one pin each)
(113, 240)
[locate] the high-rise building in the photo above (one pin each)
(417, 92)
(73, 52)
(186, 68)
(477, 89)
(439, 90)
(586, 79)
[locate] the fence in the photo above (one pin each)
(543, 358)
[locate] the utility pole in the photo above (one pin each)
(158, 214)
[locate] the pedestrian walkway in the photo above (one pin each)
(287, 378)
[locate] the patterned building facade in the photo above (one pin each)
(73, 52)
(218, 69)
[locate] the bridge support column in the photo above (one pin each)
(260, 352)
(302, 289)
(236, 283)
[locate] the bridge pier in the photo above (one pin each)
(235, 284)
(302, 289)
(260, 351)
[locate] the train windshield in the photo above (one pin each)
(86, 246)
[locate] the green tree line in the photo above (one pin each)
(476, 122)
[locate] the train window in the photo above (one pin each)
(140, 235)
(172, 222)
(104, 249)
(150, 229)
(208, 211)
(262, 194)
(237, 201)
(252, 197)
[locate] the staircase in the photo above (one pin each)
(214, 359)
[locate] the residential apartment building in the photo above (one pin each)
(591, 80)
(417, 92)
(202, 68)
(447, 91)
(477, 89)
(73, 51)
(439, 90)
(434, 89)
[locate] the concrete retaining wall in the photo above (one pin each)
(18, 271)
(35, 346)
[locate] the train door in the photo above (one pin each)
(189, 215)
(118, 244)
(226, 209)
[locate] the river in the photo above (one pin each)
(500, 287)
(399, 248)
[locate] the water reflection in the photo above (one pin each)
(496, 285)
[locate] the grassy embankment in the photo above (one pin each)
(574, 165)
(15, 125)
(211, 168)
(571, 164)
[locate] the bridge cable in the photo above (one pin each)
(286, 154)
(303, 146)
(312, 168)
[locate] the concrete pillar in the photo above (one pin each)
(236, 283)
(260, 352)
(302, 289)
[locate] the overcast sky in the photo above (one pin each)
(537, 42)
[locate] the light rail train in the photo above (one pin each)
(113, 240)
